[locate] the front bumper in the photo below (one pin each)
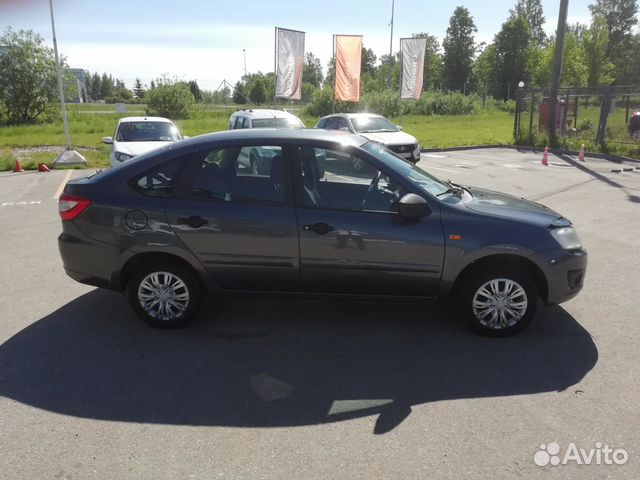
(565, 271)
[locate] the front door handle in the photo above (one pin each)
(320, 228)
(193, 221)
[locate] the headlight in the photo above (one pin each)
(567, 237)
(122, 157)
(416, 151)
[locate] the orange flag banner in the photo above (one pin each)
(348, 60)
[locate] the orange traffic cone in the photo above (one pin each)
(17, 168)
(42, 167)
(581, 154)
(545, 157)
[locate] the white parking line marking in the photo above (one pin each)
(433, 155)
(13, 204)
(63, 184)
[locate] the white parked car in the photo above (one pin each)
(137, 135)
(377, 129)
(258, 159)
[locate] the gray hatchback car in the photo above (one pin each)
(191, 219)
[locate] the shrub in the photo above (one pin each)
(172, 101)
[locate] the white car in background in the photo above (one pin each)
(137, 135)
(377, 129)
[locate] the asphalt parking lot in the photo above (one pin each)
(281, 388)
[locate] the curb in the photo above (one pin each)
(603, 156)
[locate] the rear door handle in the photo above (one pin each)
(320, 228)
(193, 221)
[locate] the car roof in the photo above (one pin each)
(312, 134)
(354, 115)
(144, 119)
(265, 113)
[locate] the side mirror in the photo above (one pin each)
(107, 140)
(399, 127)
(412, 207)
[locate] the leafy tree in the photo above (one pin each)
(595, 42)
(138, 89)
(106, 86)
(621, 17)
(514, 52)
(171, 100)
(28, 78)
(239, 94)
(532, 11)
(485, 71)
(368, 63)
(459, 49)
(574, 68)
(195, 91)
(152, 85)
(258, 92)
(312, 70)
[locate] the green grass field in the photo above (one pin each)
(88, 123)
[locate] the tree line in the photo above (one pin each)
(604, 52)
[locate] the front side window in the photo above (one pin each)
(147, 132)
(342, 187)
(242, 175)
(422, 179)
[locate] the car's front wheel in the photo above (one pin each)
(498, 302)
(165, 296)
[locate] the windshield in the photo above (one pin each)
(290, 122)
(373, 124)
(425, 181)
(147, 132)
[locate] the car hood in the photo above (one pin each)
(504, 205)
(390, 138)
(138, 148)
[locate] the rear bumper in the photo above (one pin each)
(86, 260)
(565, 272)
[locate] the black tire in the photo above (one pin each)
(155, 314)
(496, 316)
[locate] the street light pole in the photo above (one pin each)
(557, 70)
(60, 84)
(244, 54)
(393, 6)
(68, 156)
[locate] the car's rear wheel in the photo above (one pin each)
(165, 296)
(498, 302)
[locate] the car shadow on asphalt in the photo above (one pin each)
(280, 363)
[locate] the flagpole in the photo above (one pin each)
(275, 66)
(335, 71)
(68, 156)
(393, 6)
(401, 79)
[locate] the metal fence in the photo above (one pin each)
(595, 115)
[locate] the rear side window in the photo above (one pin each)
(241, 175)
(158, 181)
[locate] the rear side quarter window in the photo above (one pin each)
(158, 181)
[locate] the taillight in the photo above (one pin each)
(70, 206)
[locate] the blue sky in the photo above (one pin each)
(204, 40)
